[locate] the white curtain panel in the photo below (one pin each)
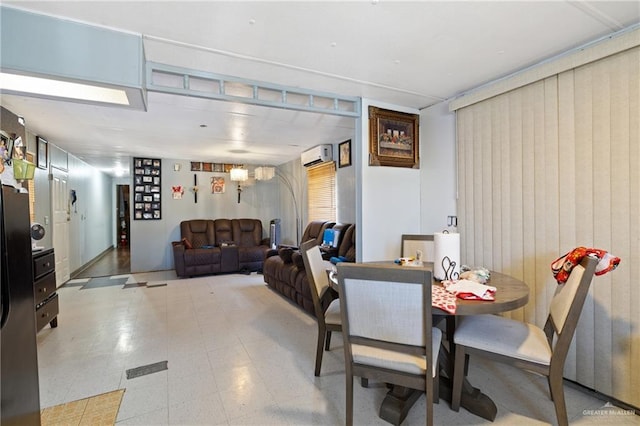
(551, 166)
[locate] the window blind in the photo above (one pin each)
(549, 167)
(321, 190)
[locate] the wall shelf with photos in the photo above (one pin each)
(147, 189)
(198, 166)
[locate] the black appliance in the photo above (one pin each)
(19, 390)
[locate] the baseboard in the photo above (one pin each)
(592, 392)
(90, 263)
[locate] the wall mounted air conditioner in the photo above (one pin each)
(317, 154)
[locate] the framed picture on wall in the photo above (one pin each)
(344, 154)
(217, 185)
(6, 148)
(42, 152)
(147, 188)
(393, 138)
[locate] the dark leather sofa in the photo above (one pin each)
(284, 270)
(219, 246)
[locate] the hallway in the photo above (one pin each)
(114, 262)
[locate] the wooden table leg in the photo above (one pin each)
(472, 399)
(399, 400)
(397, 403)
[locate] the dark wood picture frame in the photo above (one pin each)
(42, 152)
(393, 138)
(344, 153)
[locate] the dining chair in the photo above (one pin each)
(329, 319)
(527, 346)
(411, 243)
(386, 327)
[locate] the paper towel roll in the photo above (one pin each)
(446, 245)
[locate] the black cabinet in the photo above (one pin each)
(44, 288)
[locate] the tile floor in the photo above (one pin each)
(238, 354)
(99, 410)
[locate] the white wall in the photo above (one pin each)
(151, 239)
(388, 198)
(91, 228)
(346, 183)
(438, 167)
(296, 175)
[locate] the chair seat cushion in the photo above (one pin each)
(509, 337)
(383, 358)
(332, 314)
(201, 256)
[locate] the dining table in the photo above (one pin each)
(511, 293)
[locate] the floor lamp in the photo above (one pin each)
(268, 173)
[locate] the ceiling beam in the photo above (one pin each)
(175, 80)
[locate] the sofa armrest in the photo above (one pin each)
(178, 257)
(328, 252)
(296, 258)
(271, 252)
(266, 242)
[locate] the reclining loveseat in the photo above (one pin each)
(219, 246)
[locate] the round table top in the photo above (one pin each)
(511, 293)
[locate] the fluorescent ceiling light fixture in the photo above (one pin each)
(62, 89)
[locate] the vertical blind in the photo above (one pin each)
(321, 190)
(549, 167)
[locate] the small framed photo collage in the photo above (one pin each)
(147, 199)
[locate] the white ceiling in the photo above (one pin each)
(414, 54)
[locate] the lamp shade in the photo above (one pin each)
(264, 173)
(22, 169)
(239, 175)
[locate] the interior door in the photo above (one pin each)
(122, 216)
(61, 224)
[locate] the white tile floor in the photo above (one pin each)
(238, 354)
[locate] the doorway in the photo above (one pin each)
(122, 216)
(116, 261)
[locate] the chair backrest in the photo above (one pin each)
(411, 243)
(315, 231)
(566, 307)
(223, 230)
(316, 274)
(339, 229)
(386, 306)
(348, 244)
(247, 232)
(199, 232)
